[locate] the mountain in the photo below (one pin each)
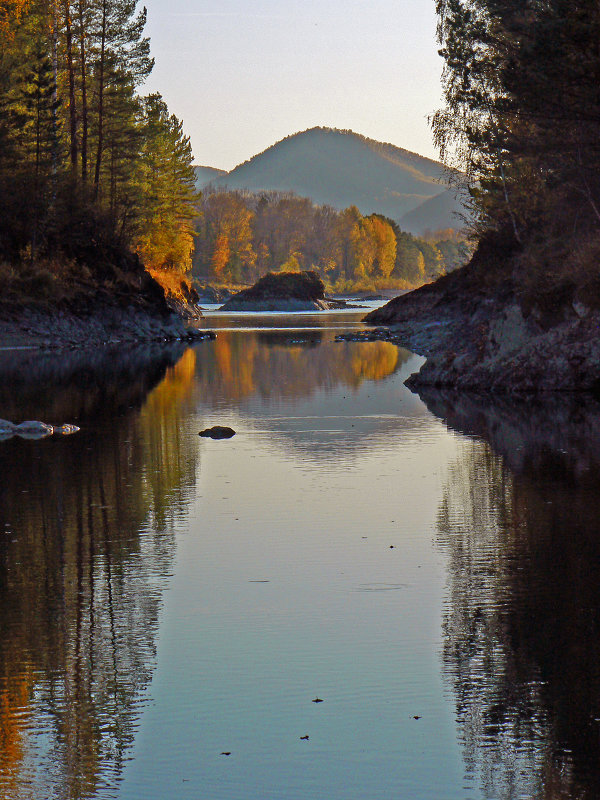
(438, 213)
(341, 168)
(204, 175)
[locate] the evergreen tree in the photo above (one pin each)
(169, 203)
(522, 109)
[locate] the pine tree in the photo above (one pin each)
(169, 204)
(122, 56)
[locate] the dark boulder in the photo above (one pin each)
(286, 291)
(217, 432)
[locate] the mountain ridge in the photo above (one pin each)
(341, 168)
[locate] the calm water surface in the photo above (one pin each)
(427, 567)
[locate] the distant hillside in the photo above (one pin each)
(341, 168)
(204, 175)
(440, 212)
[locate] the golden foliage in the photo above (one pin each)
(10, 13)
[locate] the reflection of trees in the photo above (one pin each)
(240, 365)
(522, 636)
(86, 544)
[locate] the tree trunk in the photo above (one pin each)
(84, 107)
(55, 90)
(71, 79)
(101, 101)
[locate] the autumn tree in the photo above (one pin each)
(276, 230)
(224, 231)
(88, 168)
(385, 246)
(165, 229)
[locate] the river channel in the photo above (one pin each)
(171, 607)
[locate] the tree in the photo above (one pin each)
(225, 230)
(123, 56)
(385, 246)
(69, 106)
(522, 109)
(169, 204)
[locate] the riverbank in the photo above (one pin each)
(41, 309)
(486, 334)
(107, 324)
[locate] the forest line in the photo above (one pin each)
(241, 236)
(94, 174)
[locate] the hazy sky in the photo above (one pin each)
(243, 74)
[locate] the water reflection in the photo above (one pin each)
(86, 544)
(296, 364)
(87, 530)
(520, 521)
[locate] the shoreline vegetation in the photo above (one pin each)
(97, 185)
(522, 118)
(101, 226)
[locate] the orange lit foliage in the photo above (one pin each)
(10, 12)
(242, 236)
(221, 254)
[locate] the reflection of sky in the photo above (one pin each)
(286, 588)
(338, 421)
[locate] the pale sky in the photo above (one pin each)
(243, 74)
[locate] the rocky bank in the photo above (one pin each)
(105, 325)
(133, 309)
(490, 338)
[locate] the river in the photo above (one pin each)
(171, 607)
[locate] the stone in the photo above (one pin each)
(217, 432)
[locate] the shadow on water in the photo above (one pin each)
(520, 524)
(81, 384)
(86, 545)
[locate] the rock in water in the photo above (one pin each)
(217, 432)
(283, 291)
(33, 429)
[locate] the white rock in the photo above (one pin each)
(34, 427)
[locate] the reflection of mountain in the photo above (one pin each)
(86, 545)
(522, 642)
